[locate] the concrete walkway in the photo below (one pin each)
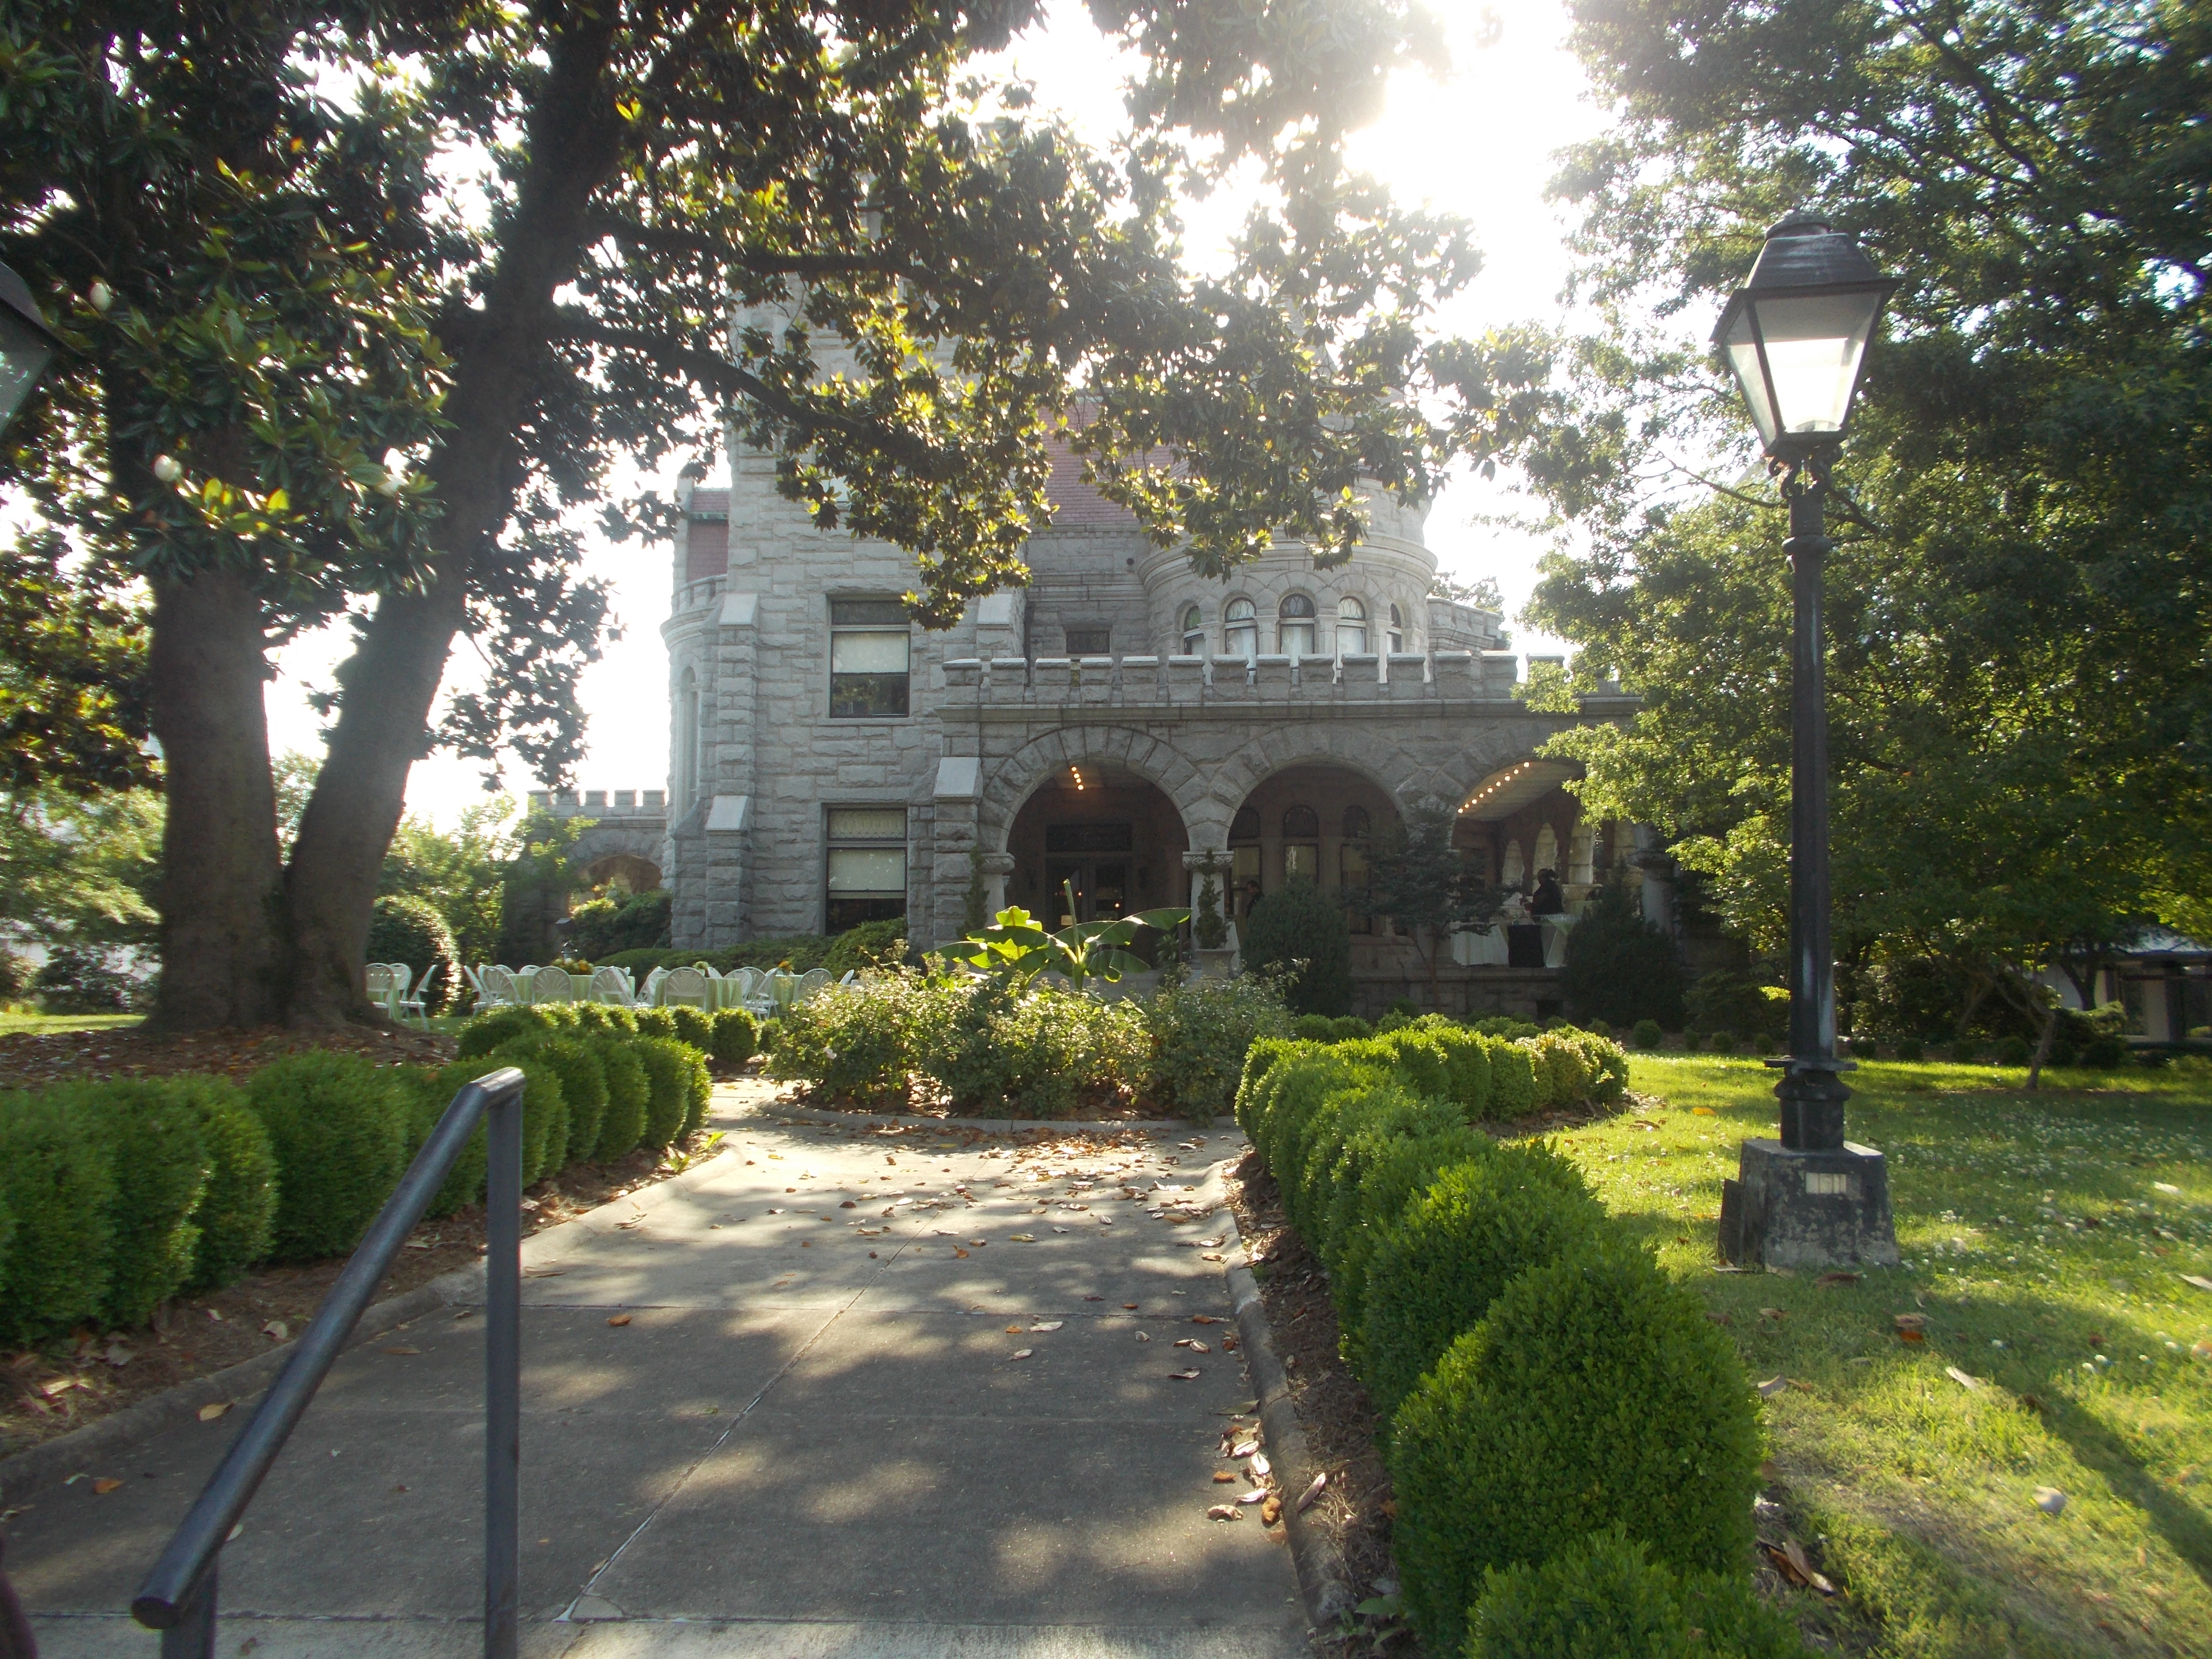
(810, 1439)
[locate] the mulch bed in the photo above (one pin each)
(71, 1381)
(31, 1059)
(1339, 1419)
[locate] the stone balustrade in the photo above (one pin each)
(1146, 681)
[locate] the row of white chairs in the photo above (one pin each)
(766, 992)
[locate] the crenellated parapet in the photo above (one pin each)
(1020, 685)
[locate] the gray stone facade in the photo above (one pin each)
(1031, 754)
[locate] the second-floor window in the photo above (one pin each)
(1351, 628)
(1397, 630)
(1294, 626)
(870, 657)
(1240, 630)
(1193, 631)
(1090, 642)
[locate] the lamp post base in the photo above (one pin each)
(1817, 1208)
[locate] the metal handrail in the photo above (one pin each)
(178, 1595)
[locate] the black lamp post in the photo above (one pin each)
(25, 346)
(1795, 336)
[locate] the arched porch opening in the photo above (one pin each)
(625, 871)
(1115, 838)
(1315, 822)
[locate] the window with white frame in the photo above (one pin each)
(866, 866)
(1240, 629)
(1351, 628)
(871, 653)
(1193, 631)
(1294, 626)
(1397, 630)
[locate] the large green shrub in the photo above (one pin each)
(490, 1030)
(694, 1026)
(735, 1036)
(600, 928)
(410, 930)
(1727, 1001)
(1513, 1090)
(1202, 1030)
(868, 1042)
(657, 1022)
(1040, 1051)
(668, 1076)
(1299, 1089)
(58, 1193)
(870, 944)
(1603, 1597)
(338, 1126)
(238, 1208)
(429, 1094)
(1387, 1116)
(699, 1086)
(1361, 1217)
(630, 1099)
(544, 1112)
(1343, 1118)
(583, 1091)
(160, 1158)
(1434, 1274)
(1299, 937)
(1619, 967)
(1595, 1393)
(1260, 1060)
(602, 1017)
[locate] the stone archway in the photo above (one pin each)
(1112, 838)
(638, 874)
(1010, 782)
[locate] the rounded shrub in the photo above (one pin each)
(1388, 1179)
(1619, 967)
(1313, 1028)
(1457, 1245)
(1604, 1597)
(160, 1158)
(1300, 934)
(1305, 1187)
(1261, 1059)
(1513, 1089)
(1911, 1049)
(668, 1103)
(545, 1109)
(1300, 1088)
(1595, 1393)
(2015, 1051)
(429, 1093)
(1348, 1026)
(338, 1126)
(629, 1094)
(1967, 1051)
(58, 1193)
(694, 1026)
(583, 1090)
(735, 1036)
(1365, 1119)
(656, 1021)
(503, 1025)
(699, 1082)
(1646, 1034)
(1722, 1042)
(238, 1207)
(2103, 1054)
(598, 1017)
(2062, 1053)
(410, 930)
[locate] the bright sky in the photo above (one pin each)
(1478, 144)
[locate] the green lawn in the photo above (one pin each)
(2045, 1238)
(12, 1023)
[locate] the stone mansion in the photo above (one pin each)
(1111, 726)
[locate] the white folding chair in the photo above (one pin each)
(552, 984)
(382, 987)
(689, 987)
(611, 985)
(500, 988)
(419, 1003)
(650, 997)
(812, 981)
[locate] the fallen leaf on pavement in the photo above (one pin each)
(1185, 1376)
(1013, 1330)
(276, 1330)
(1210, 1255)
(1257, 1495)
(105, 1484)
(619, 1319)
(1222, 1512)
(961, 1253)
(1144, 1336)
(1313, 1491)
(1260, 1466)
(1131, 1306)
(213, 1409)
(978, 1242)
(1222, 1476)
(1021, 1238)
(1245, 1448)
(1022, 1354)
(1271, 1511)
(1206, 1319)
(1229, 1344)
(1048, 1324)
(1193, 1344)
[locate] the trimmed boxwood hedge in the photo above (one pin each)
(161, 1167)
(1603, 1597)
(735, 1036)
(1595, 1393)
(629, 1093)
(1434, 1274)
(1391, 1174)
(237, 1215)
(338, 1126)
(668, 1080)
(57, 1188)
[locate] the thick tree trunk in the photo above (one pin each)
(330, 891)
(221, 874)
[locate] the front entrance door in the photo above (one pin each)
(1101, 890)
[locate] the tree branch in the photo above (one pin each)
(654, 239)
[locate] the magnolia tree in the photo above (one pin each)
(308, 382)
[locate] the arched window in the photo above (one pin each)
(1352, 868)
(1397, 630)
(1193, 631)
(1240, 630)
(1245, 826)
(1351, 628)
(1294, 627)
(1300, 844)
(1547, 849)
(1515, 868)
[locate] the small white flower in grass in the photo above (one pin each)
(166, 470)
